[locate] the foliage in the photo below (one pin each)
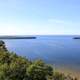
(39, 70)
(14, 67)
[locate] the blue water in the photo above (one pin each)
(57, 50)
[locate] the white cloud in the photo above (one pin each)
(58, 21)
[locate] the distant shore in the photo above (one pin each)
(76, 38)
(17, 37)
(68, 71)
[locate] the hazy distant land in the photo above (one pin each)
(17, 37)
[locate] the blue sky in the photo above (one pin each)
(39, 17)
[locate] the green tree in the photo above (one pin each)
(39, 70)
(2, 46)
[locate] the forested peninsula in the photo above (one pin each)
(17, 37)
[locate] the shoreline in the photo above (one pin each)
(68, 71)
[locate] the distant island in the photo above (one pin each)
(76, 38)
(17, 37)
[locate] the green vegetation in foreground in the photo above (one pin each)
(14, 67)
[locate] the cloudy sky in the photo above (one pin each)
(39, 17)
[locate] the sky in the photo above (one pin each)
(39, 17)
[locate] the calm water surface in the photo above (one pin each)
(57, 50)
